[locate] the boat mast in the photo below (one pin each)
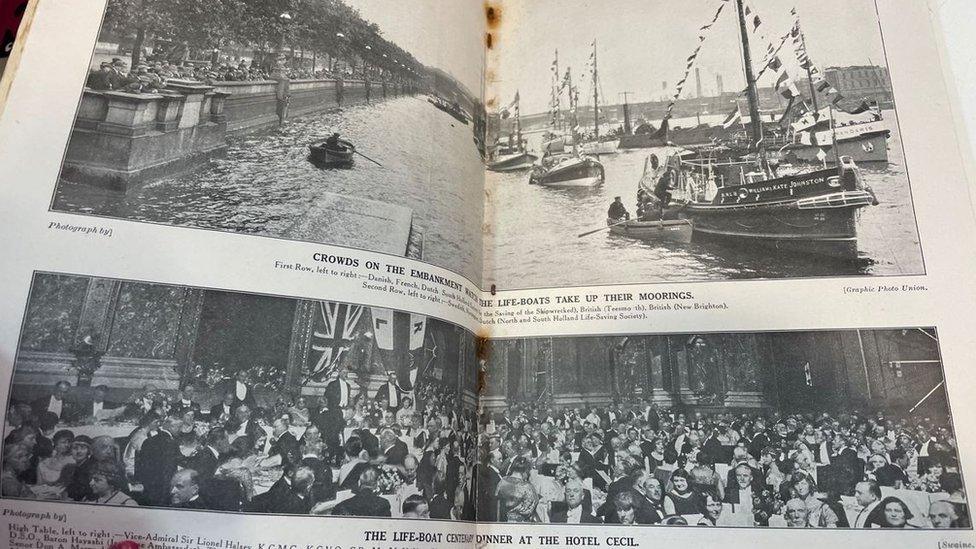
(813, 91)
(518, 122)
(751, 92)
(558, 119)
(572, 107)
(596, 100)
(627, 127)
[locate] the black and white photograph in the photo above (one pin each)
(356, 123)
(791, 429)
(132, 393)
(694, 141)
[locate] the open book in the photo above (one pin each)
(546, 273)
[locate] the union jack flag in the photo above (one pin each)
(333, 332)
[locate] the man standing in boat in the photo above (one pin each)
(617, 210)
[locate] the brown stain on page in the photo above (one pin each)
(493, 18)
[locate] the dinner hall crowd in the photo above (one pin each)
(386, 452)
(640, 464)
(389, 452)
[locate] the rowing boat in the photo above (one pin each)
(332, 156)
(671, 230)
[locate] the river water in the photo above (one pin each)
(265, 183)
(534, 241)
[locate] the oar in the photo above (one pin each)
(370, 159)
(581, 235)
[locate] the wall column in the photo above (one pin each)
(186, 338)
(97, 312)
(301, 334)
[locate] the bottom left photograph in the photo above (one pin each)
(133, 393)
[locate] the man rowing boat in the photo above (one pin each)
(333, 143)
(617, 210)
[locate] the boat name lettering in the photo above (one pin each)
(795, 184)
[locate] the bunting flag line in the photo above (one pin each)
(565, 80)
(820, 83)
(772, 56)
(799, 45)
(702, 35)
(785, 84)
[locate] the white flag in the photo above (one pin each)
(383, 328)
(418, 327)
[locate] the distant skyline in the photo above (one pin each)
(447, 34)
(642, 44)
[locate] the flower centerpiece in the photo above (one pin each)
(389, 481)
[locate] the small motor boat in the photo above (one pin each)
(567, 171)
(339, 155)
(513, 163)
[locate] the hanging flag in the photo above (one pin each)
(786, 87)
(333, 331)
(395, 338)
(565, 81)
(383, 328)
(733, 117)
(507, 109)
(418, 327)
(806, 373)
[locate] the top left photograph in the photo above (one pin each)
(354, 123)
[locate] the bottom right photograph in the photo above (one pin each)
(781, 429)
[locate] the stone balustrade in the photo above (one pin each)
(121, 139)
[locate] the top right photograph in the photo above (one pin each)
(702, 140)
